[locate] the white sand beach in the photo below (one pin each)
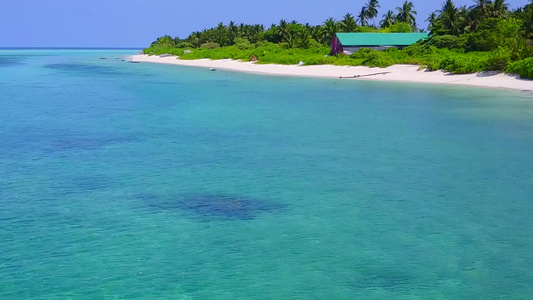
(399, 73)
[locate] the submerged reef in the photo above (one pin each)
(213, 205)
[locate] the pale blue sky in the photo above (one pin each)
(136, 23)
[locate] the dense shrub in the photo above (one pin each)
(210, 45)
(231, 52)
(365, 29)
(479, 41)
(373, 58)
(491, 34)
(378, 59)
(524, 68)
(184, 45)
(499, 59)
(243, 44)
(265, 48)
(446, 41)
(432, 64)
(284, 45)
(465, 63)
(399, 57)
(400, 27)
(274, 54)
(321, 60)
(158, 50)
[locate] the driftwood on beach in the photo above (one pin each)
(365, 75)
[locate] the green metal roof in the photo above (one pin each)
(379, 39)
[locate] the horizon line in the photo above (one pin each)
(71, 48)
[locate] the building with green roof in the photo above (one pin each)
(348, 43)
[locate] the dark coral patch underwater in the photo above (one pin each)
(86, 143)
(213, 205)
(11, 61)
(83, 69)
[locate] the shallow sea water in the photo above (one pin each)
(141, 181)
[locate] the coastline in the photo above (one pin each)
(396, 73)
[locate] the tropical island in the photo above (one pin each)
(486, 36)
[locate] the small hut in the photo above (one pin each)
(348, 43)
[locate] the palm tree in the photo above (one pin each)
(469, 19)
(388, 19)
(256, 33)
(322, 35)
(330, 28)
(242, 29)
(220, 35)
(432, 20)
(362, 16)
(372, 9)
(414, 27)
(310, 29)
(348, 23)
(317, 33)
(528, 26)
(233, 31)
(283, 31)
(450, 17)
(406, 13)
(165, 40)
(481, 7)
(194, 38)
(305, 38)
(499, 8)
(292, 37)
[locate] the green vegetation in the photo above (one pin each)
(485, 36)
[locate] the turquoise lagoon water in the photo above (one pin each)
(140, 181)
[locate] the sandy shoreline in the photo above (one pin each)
(398, 73)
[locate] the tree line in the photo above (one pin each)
(448, 20)
(485, 26)
(486, 35)
(299, 35)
